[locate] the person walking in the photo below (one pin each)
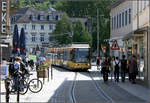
(98, 62)
(133, 69)
(123, 68)
(112, 68)
(16, 67)
(116, 71)
(105, 69)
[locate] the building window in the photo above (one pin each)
(123, 19)
(50, 17)
(129, 16)
(112, 23)
(53, 27)
(145, 3)
(25, 26)
(42, 27)
(33, 38)
(126, 17)
(42, 37)
(30, 17)
(141, 5)
(50, 27)
(117, 20)
(41, 17)
(120, 20)
(33, 27)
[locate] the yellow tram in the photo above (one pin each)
(74, 56)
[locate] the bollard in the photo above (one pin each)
(48, 74)
(7, 84)
(18, 90)
(51, 72)
(43, 77)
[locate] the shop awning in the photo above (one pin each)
(136, 33)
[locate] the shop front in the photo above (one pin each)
(136, 44)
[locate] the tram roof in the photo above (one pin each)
(80, 46)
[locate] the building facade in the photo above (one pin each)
(130, 27)
(38, 26)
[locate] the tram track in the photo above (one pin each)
(100, 90)
(73, 99)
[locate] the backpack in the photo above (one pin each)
(116, 65)
(123, 64)
(11, 69)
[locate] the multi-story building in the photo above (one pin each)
(85, 21)
(38, 26)
(130, 21)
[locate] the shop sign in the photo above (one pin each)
(3, 16)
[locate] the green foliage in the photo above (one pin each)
(62, 32)
(89, 9)
(37, 4)
(81, 34)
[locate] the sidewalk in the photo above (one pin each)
(136, 89)
(44, 95)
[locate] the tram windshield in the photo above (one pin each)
(82, 55)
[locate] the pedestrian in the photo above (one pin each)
(105, 69)
(98, 62)
(116, 71)
(37, 63)
(16, 67)
(123, 68)
(133, 69)
(112, 68)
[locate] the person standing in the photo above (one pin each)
(133, 69)
(116, 71)
(123, 68)
(105, 69)
(16, 70)
(97, 62)
(112, 68)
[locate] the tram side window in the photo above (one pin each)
(65, 55)
(72, 55)
(68, 55)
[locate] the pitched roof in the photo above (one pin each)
(114, 4)
(24, 14)
(22, 10)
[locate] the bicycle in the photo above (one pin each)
(34, 85)
(23, 88)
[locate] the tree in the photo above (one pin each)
(89, 9)
(37, 4)
(81, 34)
(62, 33)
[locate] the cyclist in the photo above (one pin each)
(19, 67)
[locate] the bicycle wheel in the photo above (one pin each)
(35, 85)
(23, 87)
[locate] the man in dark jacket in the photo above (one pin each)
(133, 70)
(123, 68)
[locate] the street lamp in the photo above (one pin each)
(98, 32)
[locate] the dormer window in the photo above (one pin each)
(30, 17)
(50, 17)
(41, 17)
(33, 17)
(58, 17)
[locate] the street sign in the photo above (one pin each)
(115, 46)
(103, 47)
(4, 71)
(32, 57)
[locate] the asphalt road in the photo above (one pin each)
(88, 87)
